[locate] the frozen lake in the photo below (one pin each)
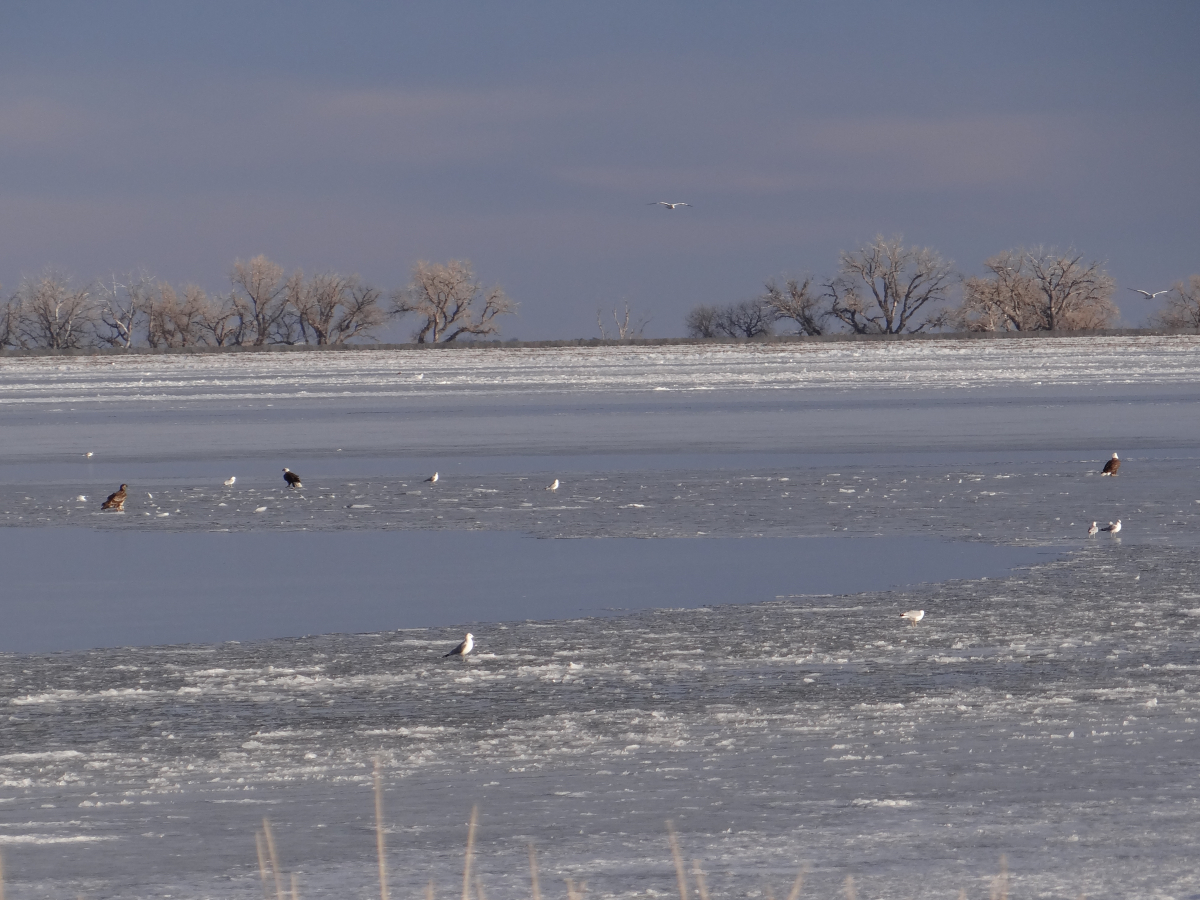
(714, 639)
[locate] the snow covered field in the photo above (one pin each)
(1050, 716)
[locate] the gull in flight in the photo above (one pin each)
(464, 648)
(668, 204)
(1092, 531)
(914, 616)
(554, 486)
(230, 480)
(1112, 527)
(432, 479)
(1147, 294)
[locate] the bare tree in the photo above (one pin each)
(335, 308)
(747, 319)
(120, 308)
(1036, 290)
(451, 302)
(10, 317)
(885, 287)
(1182, 309)
(260, 299)
(219, 321)
(624, 329)
(701, 322)
(796, 301)
(176, 321)
(53, 313)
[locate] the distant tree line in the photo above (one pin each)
(263, 306)
(889, 288)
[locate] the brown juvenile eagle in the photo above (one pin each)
(116, 500)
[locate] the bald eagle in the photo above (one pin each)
(464, 648)
(1112, 466)
(292, 479)
(116, 500)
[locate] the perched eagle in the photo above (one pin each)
(1112, 466)
(464, 648)
(292, 479)
(116, 500)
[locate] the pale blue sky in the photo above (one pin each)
(530, 138)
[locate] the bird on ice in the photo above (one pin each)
(116, 500)
(1112, 527)
(1092, 531)
(668, 204)
(292, 479)
(230, 480)
(1147, 294)
(914, 616)
(88, 455)
(554, 486)
(1112, 466)
(464, 648)
(82, 498)
(432, 479)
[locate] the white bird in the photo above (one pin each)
(432, 479)
(464, 648)
(1092, 531)
(554, 486)
(914, 616)
(230, 480)
(82, 498)
(421, 377)
(1112, 527)
(668, 204)
(88, 455)
(1147, 294)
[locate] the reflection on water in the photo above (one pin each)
(74, 588)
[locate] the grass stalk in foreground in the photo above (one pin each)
(379, 848)
(470, 854)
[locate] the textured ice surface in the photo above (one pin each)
(1049, 716)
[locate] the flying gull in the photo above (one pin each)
(914, 616)
(668, 204)
(432, 479)
(1092, 531)
(292, 479)
(1147, 294)
(464, 648)
(230, 480)
(116, 500)
(1112, 527)
(1112, 466)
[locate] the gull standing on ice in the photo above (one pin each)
(1092, 531)
(464, 648)
(914, 616)
(292, 479)
(1147, 294)
(668, 204)
(230, 480)
(1112, 527)
(432, 479)
(554, 486)
(1112, 466)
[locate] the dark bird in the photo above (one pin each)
(292, 479)
(116, 500)
(1112, 466)
(464, 648)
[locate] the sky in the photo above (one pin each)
(532, 138)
